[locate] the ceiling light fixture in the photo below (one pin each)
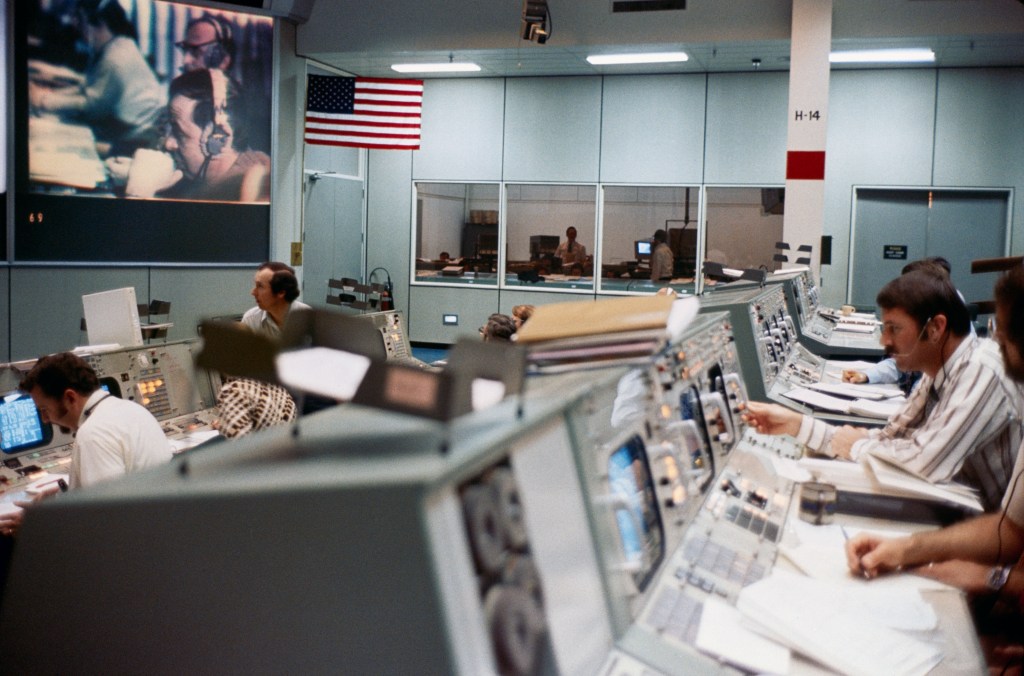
(458, 67)
(650, 57)
(915, 55)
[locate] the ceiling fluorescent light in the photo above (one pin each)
(923, 55)
(457, 67)
(652, 57)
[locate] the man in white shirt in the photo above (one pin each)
(662, 260)
(956, 424)
(570, 251)
(275, 289)
(113, 436)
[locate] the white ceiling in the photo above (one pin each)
(364, 37)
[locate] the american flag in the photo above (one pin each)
(364, 112)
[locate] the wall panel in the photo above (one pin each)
(552, 129)
(462, 130)
(652, 129)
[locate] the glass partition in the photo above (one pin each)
(457, 233)
(649, 238)
(550, 235)
(742, 226)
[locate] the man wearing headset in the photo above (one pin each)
(976, 555)
(206, 138)
(208, 43)
(956, 424)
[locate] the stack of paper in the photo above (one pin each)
(64, 154)
(873, 405)
(837, 626)
(876, 476)
(572, 335)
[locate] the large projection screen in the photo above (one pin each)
(142, 133)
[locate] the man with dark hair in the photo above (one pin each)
(208, 43)
(975, 555)
(662, 260)
(570, 251)
(885, 371)
(208, 141)
(113, 436)
(956, 424)
(275, 289)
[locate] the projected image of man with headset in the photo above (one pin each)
(208, 43)
(206, 136)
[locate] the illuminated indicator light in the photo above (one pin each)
(679, 494)
(671, 470)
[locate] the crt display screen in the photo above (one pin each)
(143, 132)
(21, 428)
(636, 513)
(643, 248)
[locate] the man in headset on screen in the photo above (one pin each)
(206, 139)
(208, 43)
(982, 555)
(956, 423)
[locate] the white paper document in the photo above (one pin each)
(851, 391)
(827, 563)
(809, 617)
(721, 634)
(323, 371)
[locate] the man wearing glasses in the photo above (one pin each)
(208, 44)
(956, 424)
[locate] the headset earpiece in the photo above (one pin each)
(222, 36)
(217, 135)
(222, 39)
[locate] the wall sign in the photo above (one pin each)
(894, 252)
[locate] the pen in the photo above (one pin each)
(846, 536)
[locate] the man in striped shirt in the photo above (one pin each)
(978, 555)
(956, 424)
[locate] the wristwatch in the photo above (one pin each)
(997, 578)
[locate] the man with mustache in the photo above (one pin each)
(977, 555)
(956, 424)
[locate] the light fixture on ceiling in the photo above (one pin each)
(456, 67)
(536, 25)
(913, 55)
(648, 57)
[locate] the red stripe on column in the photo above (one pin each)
(805, 165)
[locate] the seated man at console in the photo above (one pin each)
(956, 424)
(275, 289)
(885, 371)
(248, 405)
(975, 555)
(113, 436)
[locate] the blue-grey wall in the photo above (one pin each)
(900, 128)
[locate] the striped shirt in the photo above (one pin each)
(956, 426)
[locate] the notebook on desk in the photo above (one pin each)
(590, 318)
